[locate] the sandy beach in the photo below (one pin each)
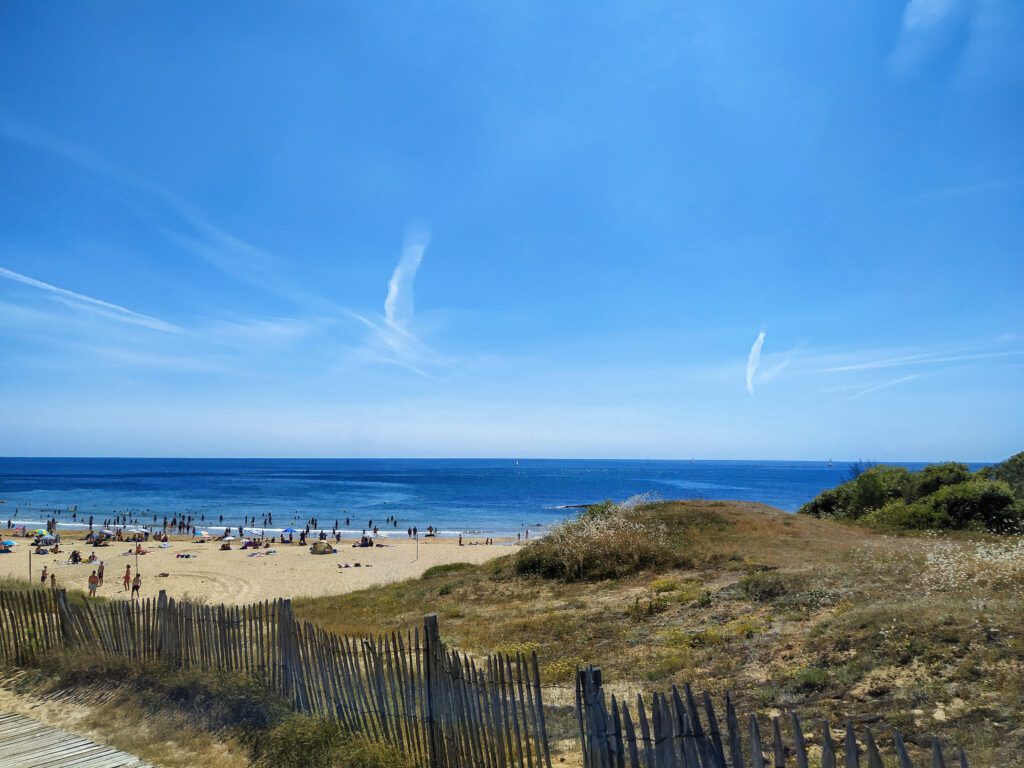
(233, 577)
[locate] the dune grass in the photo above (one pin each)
(184, 718)
(922, 632)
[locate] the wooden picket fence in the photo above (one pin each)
(670, 732)
(410, 690)
(440, 708)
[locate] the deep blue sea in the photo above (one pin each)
(479, 496)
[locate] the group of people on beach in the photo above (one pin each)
(128, 582)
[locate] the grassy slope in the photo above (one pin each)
(786, 611)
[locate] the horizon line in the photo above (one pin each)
(495, 458)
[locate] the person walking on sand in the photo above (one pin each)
(136, 585)
(127, 577)
(45, 576)
(99, 572)
(93, 583)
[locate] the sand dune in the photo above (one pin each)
(234, 577)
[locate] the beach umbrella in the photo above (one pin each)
(108, 533)
(289, 530)
(10, 543)
(41, 531)
(229, 538)
(47, 537)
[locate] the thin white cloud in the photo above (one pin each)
(398, 306)
(926, 29)
(927, 358)
(222, 250)
(391, 340)
(887, 384)
(754, 360)
(81, 301)
(926, 13)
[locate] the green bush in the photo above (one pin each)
(606, 547)
(871, 489)
(763, 586)
(940, 496)
(301, 741)
(899, 515)
(936, 476)
(1010, 471)
(985, 504)
(445, 569)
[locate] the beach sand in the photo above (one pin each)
(234, 578)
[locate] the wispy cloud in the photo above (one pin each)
(190, 228)
(392, 340)
(925, 29)
(925, 358)
(81, 301)
(754, 361)
(398, 306)
(877, 387)
(926, 13)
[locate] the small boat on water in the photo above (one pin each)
(829, 463)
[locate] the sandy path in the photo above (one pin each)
(235, 578)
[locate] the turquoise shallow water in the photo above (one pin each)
(488, 496)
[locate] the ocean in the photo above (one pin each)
(498, 497)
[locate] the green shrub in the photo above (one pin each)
(1010, 471)
(936, 476)
(808, 679)
(763, 586)
(871, 489)
(899, 515)
(445, 569)
(601, 547)
(665, 585)
(301, 741)
(979, 503)
(940, 496)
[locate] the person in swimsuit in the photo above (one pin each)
(127, 577)
(94, 582)
(136, 585)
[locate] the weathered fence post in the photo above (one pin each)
(431, 654)
(161, 623)
(64, 616)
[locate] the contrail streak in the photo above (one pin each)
(113, 310)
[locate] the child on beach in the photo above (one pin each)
(127, 577)
(45, 576)
(99, 572)
(136, 585)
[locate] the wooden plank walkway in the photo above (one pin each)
(26, 743)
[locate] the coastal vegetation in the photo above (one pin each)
(918, 631)
(923, 631)
(180, 718)
(939, 497)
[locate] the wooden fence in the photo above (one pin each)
(442, 709)
(438, 707)
(671, 732)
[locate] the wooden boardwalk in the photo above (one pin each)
(26, 743)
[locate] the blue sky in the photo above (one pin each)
(787, 230)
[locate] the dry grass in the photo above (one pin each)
(921, 632)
